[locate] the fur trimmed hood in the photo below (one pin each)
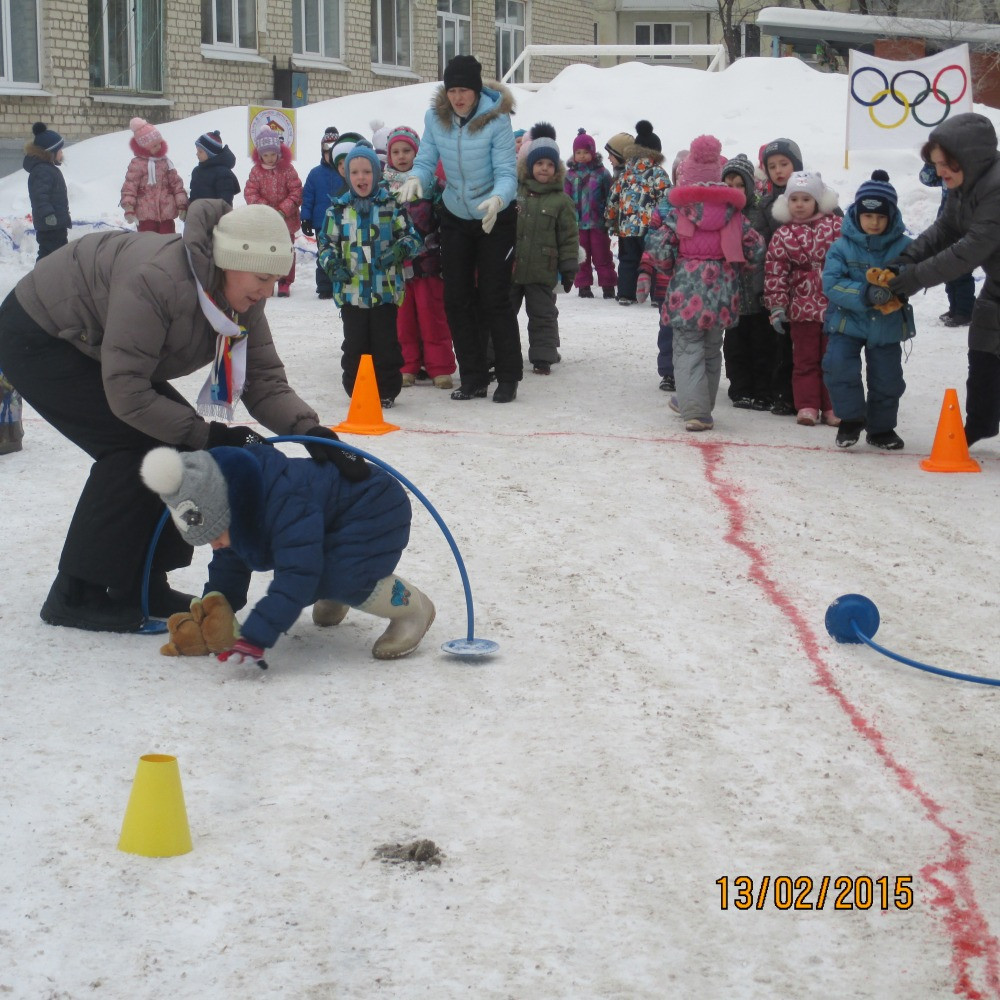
(634, 151)
(284, 159)
(30, 149)
(138, 150)
(827, 203)
(503, 104)
(709, 194)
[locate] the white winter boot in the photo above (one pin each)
(329, 613)
(410, 614)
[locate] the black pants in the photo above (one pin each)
(51, 239)
(629, 255)
(749, 352)
(117, 513)
(324, 286)
(476, 268)
(982, 395)
(372, 331)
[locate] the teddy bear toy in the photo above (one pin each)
(209, 627)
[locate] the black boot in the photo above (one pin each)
(586, 293)
(77, 604)
(609, 291)
(164, 601)
(505, 392)
(469, 392)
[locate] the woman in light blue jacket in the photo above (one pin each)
(467, 129)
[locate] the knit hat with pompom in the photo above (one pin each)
(46, 138)
(584, 141)
(703, 164)
(192, 486)
(876, 196)
(645, 136)
(147, 136)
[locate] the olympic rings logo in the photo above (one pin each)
(909, 104)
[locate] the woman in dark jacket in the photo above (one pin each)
(47, 189)
(966, 235)
(92, 339)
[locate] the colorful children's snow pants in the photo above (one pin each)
(422, 327)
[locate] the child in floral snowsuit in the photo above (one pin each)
(365, 240)
(702, 245)
(631, 202)
(793, 286)
(588, 184)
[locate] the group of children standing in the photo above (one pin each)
(757, 266)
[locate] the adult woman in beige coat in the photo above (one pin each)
(92, 338)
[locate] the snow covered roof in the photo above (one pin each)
(787, 22)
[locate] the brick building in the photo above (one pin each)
(87, 66)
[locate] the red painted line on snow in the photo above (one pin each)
(954, 893)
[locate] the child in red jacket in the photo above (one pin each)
(273, 181)
(793, 286)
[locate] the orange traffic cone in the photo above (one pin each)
(950, 452)
(365, 414)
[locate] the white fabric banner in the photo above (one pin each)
(894, 104)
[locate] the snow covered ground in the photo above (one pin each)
(666, 709)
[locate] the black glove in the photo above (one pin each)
(876, 295)
(567, 282)
(232, 437)
(905, 283)
(352, 467)
(307, 229)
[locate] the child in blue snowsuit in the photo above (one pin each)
(323, 184)
(866, 317)
(365, 241)
(328, 541)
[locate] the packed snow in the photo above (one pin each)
(666, 712)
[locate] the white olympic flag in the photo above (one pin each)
(894, 104)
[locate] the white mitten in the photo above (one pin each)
(491, 207)
(411, 190)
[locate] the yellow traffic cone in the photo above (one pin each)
(365, 413)
(156, 823)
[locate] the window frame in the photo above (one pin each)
(462, 24)
(7, 81)
(321, 56)
(652, 26)
(377, 31)
(510, 29)
(234, 48)
(100, 41)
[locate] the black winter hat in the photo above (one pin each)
(740, 164)
(211, 142)
(330, 137)
(464, 71)
(542, 130)
(46, 138)
(645, 136)
(783, 147)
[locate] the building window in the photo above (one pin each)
(511, 17)
(391, 33)
(19, 20)
(454, 30)
(229, 24)
(126, 45)
(663, 33)
(316, 28)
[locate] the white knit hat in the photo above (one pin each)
(252, 238)
(192, 486)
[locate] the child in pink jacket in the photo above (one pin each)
(273, 181)
(793, 286)
(153, 194)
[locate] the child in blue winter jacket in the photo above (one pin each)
(365, 241)
(863, 316)
(323, 184)
(330, 542)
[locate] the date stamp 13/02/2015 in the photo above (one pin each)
(803, 892)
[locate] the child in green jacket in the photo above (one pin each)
(546, 248)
